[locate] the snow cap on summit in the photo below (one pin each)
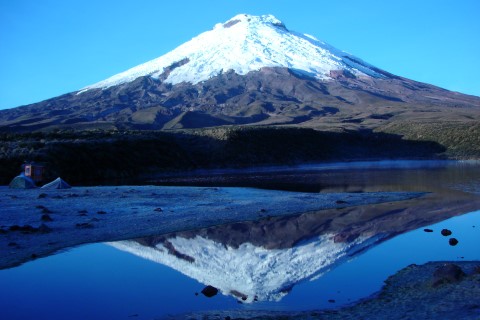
(243, 44)
(246, 18)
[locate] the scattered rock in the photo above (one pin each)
(244, 298)
(85, 225)
(82, 214)
(446, 232)
(447, 273)
(428, 230)
(27, 229)
(42, 195)
(158, 209)
(263, 210)
(83, 211)
(46, 217)
(331, 301)
(12, 244)
(209, 291)
(196, 293)
(101, 212)
(453, 241)
(14, 228)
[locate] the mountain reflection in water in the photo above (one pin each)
(263, 260)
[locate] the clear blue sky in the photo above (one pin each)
(51, 47)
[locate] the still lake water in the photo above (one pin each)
(287, 268)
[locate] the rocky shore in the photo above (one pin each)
(436, 290)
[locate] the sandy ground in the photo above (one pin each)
(38, 222)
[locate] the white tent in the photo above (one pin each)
(22, 182)
(58, 183)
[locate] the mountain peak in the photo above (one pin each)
(267, 19)
(243, 44)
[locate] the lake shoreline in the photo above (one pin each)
(428, 291)
(120, 157)
(39, 222)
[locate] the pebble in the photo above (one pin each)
(453, 241)
(209, 291)
(46, 217)
(446, 232)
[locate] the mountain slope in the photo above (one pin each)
(249, 70)
(243, 44)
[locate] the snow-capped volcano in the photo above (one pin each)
(248, 70)
(243, 44)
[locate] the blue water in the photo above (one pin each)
(365, 274)
(100, 282)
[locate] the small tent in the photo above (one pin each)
(22, 182)
(58, 183)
